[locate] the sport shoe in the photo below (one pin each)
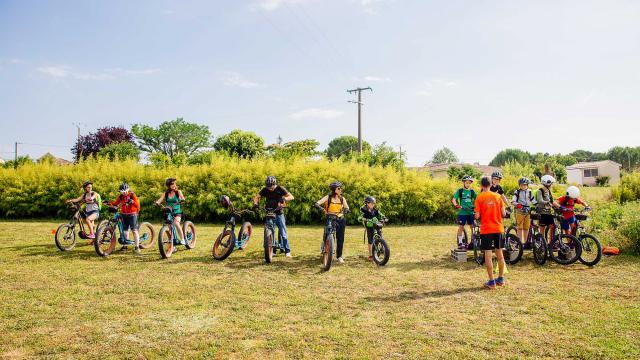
(124, 248)
(500, 281)
(288, 254)
(491, 284)
(370, 258)
(340, 260)
(137, 251)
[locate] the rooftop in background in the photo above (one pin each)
(440, 170)
(586, 165)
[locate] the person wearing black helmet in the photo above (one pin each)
(496, 178)
(91, 210)
(276, 197)
(522, 201)
(369, 216)
(334, 203)
(463, 200)
(173, 198)
(129, 208)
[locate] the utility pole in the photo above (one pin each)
(79, 144)
(359, 102)
(15, 156)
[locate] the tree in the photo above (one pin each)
(344, 146)
(90, 145)
(508, 155)
(444, 156)
(172, 137)
(22, 160)
(120, 151)
(457, 172)
(301, 148)
(628, 157)
(244, 144)
(384, 155)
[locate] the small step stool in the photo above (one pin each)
(458, 255)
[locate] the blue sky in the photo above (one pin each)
(476, 76)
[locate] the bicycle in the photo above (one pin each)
(168, 237)
(512, 245)
(105, 242)
(227, 241)
(478, 253)
(535, 240)
(591, 246)
(565, 249)
(379, 247)
(65, 234)
(271, 244)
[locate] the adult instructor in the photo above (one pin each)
(276, 196)
(489, 209)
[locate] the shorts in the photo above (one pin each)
(523, 221)
(465, 220)
(85, 214)
(546, 219)
(491, 241)
(370, 232)
(566, 223)
(129, 221)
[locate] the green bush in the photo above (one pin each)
(39, 190)
(628, 189)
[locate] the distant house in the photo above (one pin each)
(586, 173)
(55, 160)
(440, 170)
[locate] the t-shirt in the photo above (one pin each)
(466, 201)
(497, 189)
(273, 197)
(524, 198)
(544, 198)
(489, 205)
(568, 203)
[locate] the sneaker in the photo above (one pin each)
(500, 281)
(370, 258)
(491, 284)
(137, 251)
(341, 260)
(91, 236)
(288, 254)
(124, 248)
(282, 250)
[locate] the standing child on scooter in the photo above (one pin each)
(369, 216)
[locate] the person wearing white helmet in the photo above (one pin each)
(544, 202)
(567, 204)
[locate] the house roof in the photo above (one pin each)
(587, 165)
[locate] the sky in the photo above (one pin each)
(475, 76)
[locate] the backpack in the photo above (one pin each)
(517, 194)
(326, 205)
(99, 200)
(473, 193)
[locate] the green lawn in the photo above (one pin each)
(421, 305)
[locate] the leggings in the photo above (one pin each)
(342, 223)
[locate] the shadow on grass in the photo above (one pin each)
(78, 252)
(433, 263)
(413, 295)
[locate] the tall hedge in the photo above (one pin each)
(39, 190)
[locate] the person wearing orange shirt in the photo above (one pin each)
(129, 208)
(490, 210)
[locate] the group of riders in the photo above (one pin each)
(274, 195)
(491, 206)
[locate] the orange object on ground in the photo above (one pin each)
(611, 250)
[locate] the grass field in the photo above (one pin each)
(76, 305)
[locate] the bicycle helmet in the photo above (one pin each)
(334, 185)
(86, 183)
(225, 201)
(124, 187)
(369, 199)
(496, 175)
(573, 192)
(523, 181)
(270, 181)
(467, 178)
(169, 181)
(547, 180)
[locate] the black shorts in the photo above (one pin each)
(491, 241)
(546, 219)
(129, 221)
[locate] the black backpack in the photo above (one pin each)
(517, 194)
(473, 194)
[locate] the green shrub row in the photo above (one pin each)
(628, 189)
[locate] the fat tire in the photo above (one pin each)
(386, 251)
(189, 227)
(59, 233)
(598, 248)
(165, 232)
(230, 244)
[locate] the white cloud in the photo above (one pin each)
(236, 80)
(371, 78)
(316, 113)
(271, 5)
(107, 74)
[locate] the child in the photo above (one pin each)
(544, 201)
(522, 201)
(91, 211)
(567, 204)
(173, 198)
(369, 215)
(336, 204)
(275, 197)
(464, 200)
(496, 178)
(129, 208)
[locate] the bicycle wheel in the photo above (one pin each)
(147, 235)
(478, 253)
(189, 231)
(223, 246)
(591, 249)
(381, 251)
(268, 246)
(513, 249)
(565, 249)
(244, 235)
(327, 252)
(105, 241)
(65, 237)
(539, 248)
(165, 242)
